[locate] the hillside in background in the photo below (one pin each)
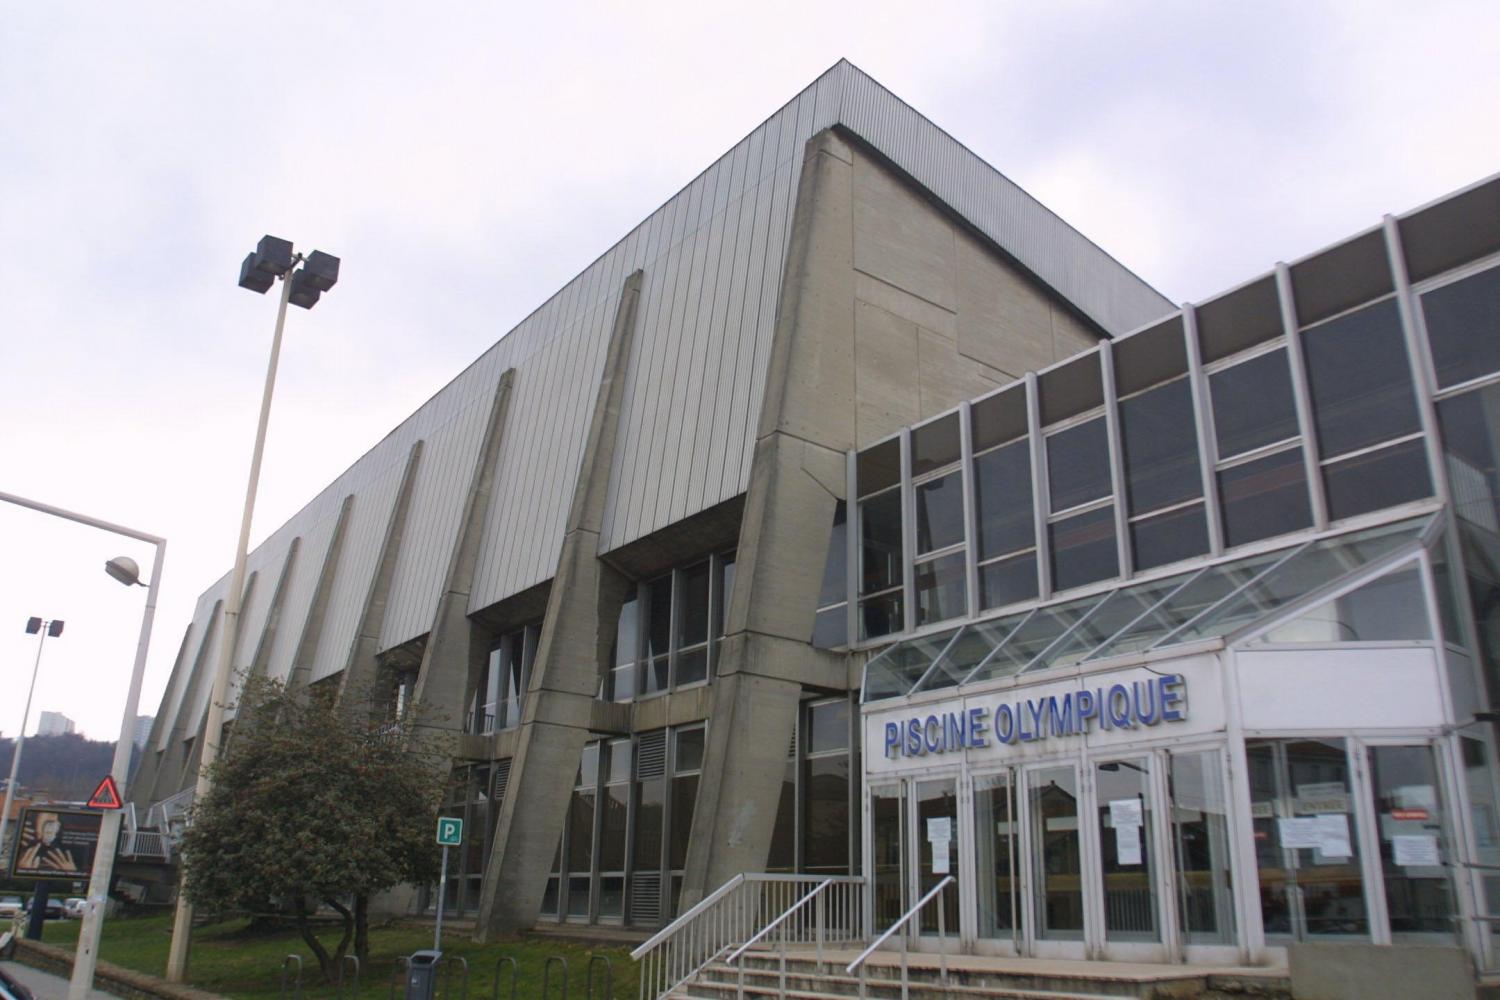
(66, 767)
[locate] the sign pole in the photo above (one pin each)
(437, 934)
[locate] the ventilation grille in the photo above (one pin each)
(645, 898)
(502, 782)
(651, 756)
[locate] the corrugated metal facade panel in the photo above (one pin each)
(364, 536)
(713, 257)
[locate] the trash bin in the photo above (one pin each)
(422, 975)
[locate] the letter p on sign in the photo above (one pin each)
(450, 831)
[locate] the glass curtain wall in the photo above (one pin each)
(624, 841)
(938, 488)
(501, 686)
(470, 798)
(815, 830)
(669, 631)
(882, 559)
(1003, 503)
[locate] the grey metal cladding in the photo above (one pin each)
(712, 256)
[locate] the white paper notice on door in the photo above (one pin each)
(1416, 850)
(1128, 845)
(940, 857)
(1125, 812)
(1297, 834)
(1333, 835)
(939, 828)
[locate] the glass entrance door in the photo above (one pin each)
(1055, 846)
(1307, 853)
(1414, 853)
(997, 861)
(887, 854)
(1200, 848)
(937, 854)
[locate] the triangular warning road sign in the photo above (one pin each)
(107, 795)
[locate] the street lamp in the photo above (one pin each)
(273, 258)
(33, 627)
(124, 569)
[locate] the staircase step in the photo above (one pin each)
(721, 983)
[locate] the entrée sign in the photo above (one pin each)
(1163, 698)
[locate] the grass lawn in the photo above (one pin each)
(233, 960)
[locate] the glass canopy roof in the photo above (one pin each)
(1205, 603)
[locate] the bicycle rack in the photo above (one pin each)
(547, 975)
(463, 964)
(514, 972)
(398, 975)
(344, 963)
(286, 963)
(609, 976)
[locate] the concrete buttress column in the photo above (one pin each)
(807, 424)
(582, 607)
(454, 650)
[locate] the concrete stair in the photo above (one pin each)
(978, 978)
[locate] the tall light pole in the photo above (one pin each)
(34, 626)
(124, 569)
(272, 258)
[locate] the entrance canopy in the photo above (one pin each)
(1207, 602)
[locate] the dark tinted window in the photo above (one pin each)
(1253, 404)
(1083, 549)
(940, 512)
(941, 590)
(1360, 381)
(1078, 465)
(881, 615)
(1376, 479)
(878, 466)
(880, 539)
(835, 564)
(934, 445)
(1007, 581)
(1265, 497)
(1002, 493)
(1159, 437)
(1471, 441)
(1463, 327)
(1166, 538)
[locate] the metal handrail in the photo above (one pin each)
(859, 963)
(786, 914)
(703, 904)
(721, 922)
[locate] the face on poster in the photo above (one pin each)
(55, 843)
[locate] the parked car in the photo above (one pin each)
(74, 906)
(54, 908)
(10, 906)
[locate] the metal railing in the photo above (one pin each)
(147, 844)
(827, 914)
(935, 892)
(735, 913)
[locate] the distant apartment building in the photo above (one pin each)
(54, 724)
(142, 729)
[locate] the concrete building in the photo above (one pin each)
(854, 516)
(53, 724)
(142, 731)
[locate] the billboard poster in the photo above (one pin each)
(55, 843)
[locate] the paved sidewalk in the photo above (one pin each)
(45, 985)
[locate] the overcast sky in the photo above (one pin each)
(466, 160)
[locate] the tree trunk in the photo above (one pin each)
(325, 964)
(362, 928)
(343, 949)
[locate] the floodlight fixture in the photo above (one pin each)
(54, 628)
(304, 292)
(33, 626)
(321, 269)
(124, 569)
(273, 255)
(252, 277)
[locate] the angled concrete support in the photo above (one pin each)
(299, 673)
(455, 649)
(273, 613)
(807, 423)
(359, 663)
(582, 608)
(144, 778)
